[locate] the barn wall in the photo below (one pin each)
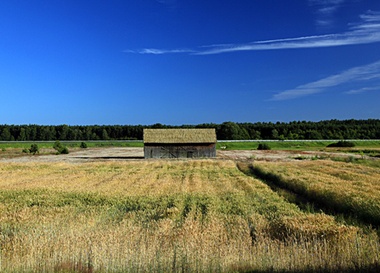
(179, 151)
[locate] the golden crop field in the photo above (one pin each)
(344, 187)
(165, 216)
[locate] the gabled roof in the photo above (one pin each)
(171, 136)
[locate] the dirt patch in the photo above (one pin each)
(280, 155)
(128, 153)
(84, 155)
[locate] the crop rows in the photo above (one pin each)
(342, 187)
(188, 216)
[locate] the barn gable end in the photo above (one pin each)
(179, 143)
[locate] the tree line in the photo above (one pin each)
(295, 130)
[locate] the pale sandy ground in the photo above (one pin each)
(126, 153)
(281, 155)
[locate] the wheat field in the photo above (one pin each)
(345, 187)
(165, 216)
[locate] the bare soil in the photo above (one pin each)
(128, 153)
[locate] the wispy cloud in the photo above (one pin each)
(156, 51)
(362, 90)
(325, 11)
(365, 32)
(353, 75)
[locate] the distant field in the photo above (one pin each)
(174, 216)
(16, 148)
(70, 144)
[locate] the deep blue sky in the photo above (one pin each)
(188, 62)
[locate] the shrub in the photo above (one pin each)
(57, 145)
(34, 149)
(342, 144)
(60, 148)
(64, 150)
(83, 145)
(263, 146)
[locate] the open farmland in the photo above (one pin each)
(180, 216)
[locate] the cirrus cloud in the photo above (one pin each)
(365, 32)
(357, 74)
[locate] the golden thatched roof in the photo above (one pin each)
(172, 136)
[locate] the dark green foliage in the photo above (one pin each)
(61, 149)
(296, 130)
(232, 130)
(57, 145)
(342, 144)
(5, 134)
(34, 149)
(83, 145)
(263, 146)
(64, 150)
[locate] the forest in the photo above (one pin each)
(295, 130)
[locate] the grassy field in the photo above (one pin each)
(17, 148)
(172, 216)
(71, 144)
(364, 148)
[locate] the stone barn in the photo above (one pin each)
(179, 143)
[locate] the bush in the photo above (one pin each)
(342, 144)
(34, 149)
(263, 146)
(64, 150)
(60, 148)
(57, 145)
(83, 145)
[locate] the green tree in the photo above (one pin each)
(231, 130)
(275, 134)
(63, 131)
(22, 136)
(6, 134)
(32, 132)
(105, 135)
